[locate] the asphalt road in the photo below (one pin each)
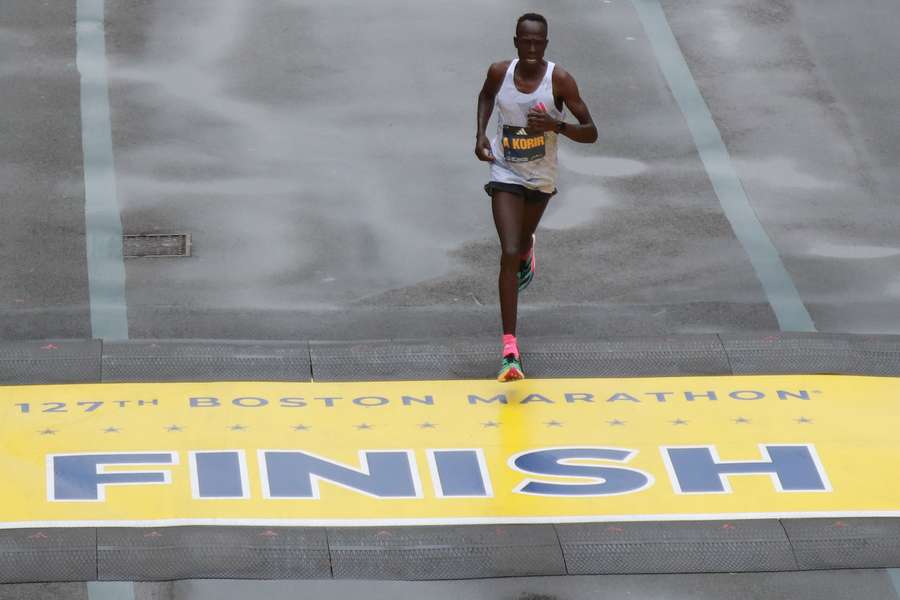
(320, 154)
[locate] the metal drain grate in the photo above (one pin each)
(156, 245)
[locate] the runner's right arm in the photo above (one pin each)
(486, 98)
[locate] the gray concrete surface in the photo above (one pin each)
(825, 585)
(810, 585)
(321, 156)
(449, 552)
(44, 591)
(93, 361)
(813, 585)
(43, 273)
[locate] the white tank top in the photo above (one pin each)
(521, 157)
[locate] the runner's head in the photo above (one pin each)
(531, 38)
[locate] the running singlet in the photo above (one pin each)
(520, 156)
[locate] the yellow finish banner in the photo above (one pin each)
(436, 452)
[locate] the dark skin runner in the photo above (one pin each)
(515, 219)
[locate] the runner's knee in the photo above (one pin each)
(509, 257)
(509, 246)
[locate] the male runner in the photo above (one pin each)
(530, 93)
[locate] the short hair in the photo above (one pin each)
(532, 17)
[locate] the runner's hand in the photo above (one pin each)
(483, 149)
(539, 120)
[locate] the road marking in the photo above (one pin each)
(777, 284)
(895, 580)
(110, 590)
(539, 450)
(103, 225)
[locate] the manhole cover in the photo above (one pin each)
(156, 245)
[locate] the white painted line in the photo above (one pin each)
(776, 282)
(313, 522)
(110, 590)
(103, 225)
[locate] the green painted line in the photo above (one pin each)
(895, 579)
(110, 590)
(777, 283)
(103, 224)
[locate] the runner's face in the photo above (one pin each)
(531, 42)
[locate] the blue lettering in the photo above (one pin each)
(699, 471)
(801, 394)
(747, 395)
(295, 474)
(329, 400)
(459, 473)
(474, 399)
(292, 402)
(80, 476)
(217, 474)
(571, 397)
(622, 396)
(204, 401)
(370, 401)
(535, 398)
(250, 402)
(604, 480)
(407, 400)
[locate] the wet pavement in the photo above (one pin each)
(320, 155)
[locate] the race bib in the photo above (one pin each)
(519, 145)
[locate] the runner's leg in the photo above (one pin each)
(508, 212)
(533, 211)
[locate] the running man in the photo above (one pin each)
(530, 93)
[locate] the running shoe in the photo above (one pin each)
(511, 369)
(528, 267)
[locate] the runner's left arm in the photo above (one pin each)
(585, 131)
(564, 85)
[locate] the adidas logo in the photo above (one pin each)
(522, 132)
